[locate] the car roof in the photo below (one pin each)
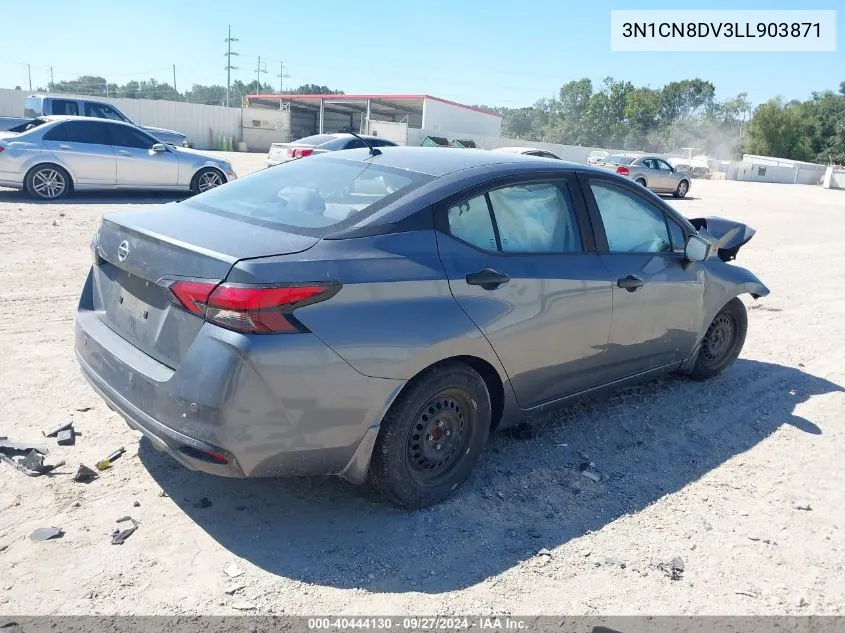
(439, 161)
(517, 149)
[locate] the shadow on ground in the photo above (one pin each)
(648, 441)
(97, 197)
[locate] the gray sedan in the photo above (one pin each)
(652, 172)
(376, 314)
(56, 155)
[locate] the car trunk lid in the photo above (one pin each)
(139, 253)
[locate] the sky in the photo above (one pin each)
(472, 51)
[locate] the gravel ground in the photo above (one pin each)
(739, 478)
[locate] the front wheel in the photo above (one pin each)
(207, 178)
(723, 341)
(681, 191)
(432, 437)
(47, 182)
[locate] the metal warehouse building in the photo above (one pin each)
(405, 119)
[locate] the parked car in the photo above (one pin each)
(54, 155)
(528, 151)
(41, 105)
(596, 156)
(377, 316)
(318, 144)
(652, 172)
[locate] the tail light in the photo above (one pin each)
(2, 149)
(300, 152)
(250, 309)
(622, 170)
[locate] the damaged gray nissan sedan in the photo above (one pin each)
(377, 313)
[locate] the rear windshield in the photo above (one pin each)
(619, 160)
(313, 196)
(317, 139)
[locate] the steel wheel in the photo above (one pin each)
(49, 183)
(208, 179)
(438, 436)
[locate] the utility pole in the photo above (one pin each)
(259, 69)
(29, 74)
(229, 68)
(51, 78)
(282, 76)
(174, 78)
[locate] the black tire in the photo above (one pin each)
(682, 190)
(641, 182)
(723, 341)
(199, 182)
(432, 436)
(48, 182)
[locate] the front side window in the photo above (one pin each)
(470, 221)
(631, 224)
(662, 165)
(102, 111)
(125, 136)
(678, 235)
(535, 218)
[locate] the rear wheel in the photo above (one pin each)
(207, 178)
(47, 182)
(723, 341)
(432, 437)
(681, 191)
(640, 182)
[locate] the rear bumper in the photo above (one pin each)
(272, 405)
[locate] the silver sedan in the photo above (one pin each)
(652, 172)
(56, 155)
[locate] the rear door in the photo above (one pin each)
(521, 263)
(137, 164)
(85, 147)
(658, 298)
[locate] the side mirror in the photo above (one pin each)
(159, 147)
(697, 249)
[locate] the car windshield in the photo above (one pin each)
(311, 196)
(619, 159)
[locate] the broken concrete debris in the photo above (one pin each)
(85, 475)
(55, 431)
(673, 568)
(46, 533)
(125, 527)
(66, 437)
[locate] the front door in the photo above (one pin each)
(84, 146)
(138, 165)
(658, 297)
(521, 263)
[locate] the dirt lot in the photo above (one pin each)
(712, 473)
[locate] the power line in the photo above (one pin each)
(282, 76)
(229, 68)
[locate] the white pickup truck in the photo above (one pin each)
(43, 105)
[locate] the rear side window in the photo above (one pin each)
(310, 196)
(58, 133)
(64, 106)
(470, 221)
(526, 218)
(89, 132)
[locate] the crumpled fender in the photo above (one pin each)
(727, 235)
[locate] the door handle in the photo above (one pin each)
(65, 147)
(123, 152)
(487, 278)
(631, 283)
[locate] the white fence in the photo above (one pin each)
(203, 124)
